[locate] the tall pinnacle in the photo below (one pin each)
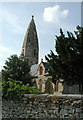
(30, 48)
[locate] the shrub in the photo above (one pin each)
(14, 89)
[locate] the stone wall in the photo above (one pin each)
(72, 89)
(44, 106)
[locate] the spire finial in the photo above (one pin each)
(41, 60)
(32, 16)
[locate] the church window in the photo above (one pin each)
(34, 52)
(23, 49)
(41, 70)
(29, 40)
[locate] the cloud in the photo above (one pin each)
(58, 17)
(54, 14)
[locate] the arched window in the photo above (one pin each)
(41, 70)
(34, 52)
(29, 40)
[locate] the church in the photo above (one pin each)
(39, 72)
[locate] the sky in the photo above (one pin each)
(49, 17)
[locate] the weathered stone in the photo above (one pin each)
(71, 110)
(41, 109)
(78, 110)
(81, 115)
(30, 48)
(68, 107)
(62, 111)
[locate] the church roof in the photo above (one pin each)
(33, 70)
(46, 65)
(29, 30)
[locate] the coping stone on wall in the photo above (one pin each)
(76, 96)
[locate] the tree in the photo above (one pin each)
(18, 69)
(68, 63)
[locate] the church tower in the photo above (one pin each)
(30, 48)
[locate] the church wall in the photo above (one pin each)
(40, 81)
(60, 87)
(46, 85)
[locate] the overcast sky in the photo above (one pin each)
(49, 18)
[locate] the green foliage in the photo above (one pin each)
(67, 64)
(13, 89)
(16, 68)
(0, 87)
(16, 78)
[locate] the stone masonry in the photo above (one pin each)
(44, 107)
(30, 48)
